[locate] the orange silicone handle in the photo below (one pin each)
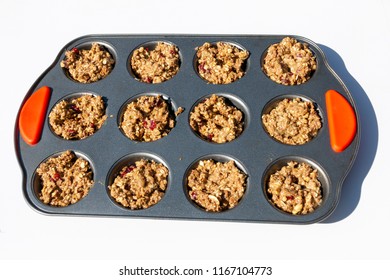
(32, 115)
(341, 120)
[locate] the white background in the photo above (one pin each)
(354, 35)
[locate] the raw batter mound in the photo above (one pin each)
(292, 121)
(216, 121)
(221, 63)
(65, 179)
(289, 62)
(140, 185)
(88, 66)
(295, 188)
(216, 186)
(157, 65)
(78, 118)
(148, 119)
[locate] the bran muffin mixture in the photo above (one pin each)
(148, 118)
(217, 121)
(88, 66)
(157, 65)
(216, 186)
(292, 121)
(295, 188)
(140, 185)
(221, 63)
(78, 118)
(65, 179)
(289, 62)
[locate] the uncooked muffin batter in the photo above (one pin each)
(148, 118)
(87, 66)
(140, 185)
(295, 188)
(292, 121)
(78, 118)
(157, 65)
(221, 63)
(217, 121)
(289, 62)
(65, 179)
(216, 186)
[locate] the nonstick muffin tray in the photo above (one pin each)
(332, 151)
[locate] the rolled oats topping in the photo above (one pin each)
(293, 121)
(217, 121)
(148, 118)
(216, 186)
(78, 118)
(295, 188)
(157, 65)
(140, 185)
(88, 66)
(289, 62)
(65, 179)
(221, 63)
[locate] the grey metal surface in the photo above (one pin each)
(254, 151)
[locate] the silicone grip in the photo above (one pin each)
(32, 115)
(341, 119)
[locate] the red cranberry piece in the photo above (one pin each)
(55, 177)
(75, 108)
(148, 80)
(127, 170)
(75, 50)
(152, 124)
(201, 67)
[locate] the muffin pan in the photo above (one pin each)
(332, 152)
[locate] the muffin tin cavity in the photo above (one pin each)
(78, 116)
(289, 62)
(221, 62)
(292, 119)
(148, 117)
(154, 62)
(88, 62)
(174, 127)
(296, 185)
(219, 118)
(63, 179)
(215, 183)
(138, 181)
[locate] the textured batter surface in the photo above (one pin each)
(78, 118)
(289, 62)
(157, 65)
(140, 185)
(217, 121)
(87, 66)
(65, 179)
(292, 121)
(148, 118)
(221, 63)
(295, 188)
(216, 186)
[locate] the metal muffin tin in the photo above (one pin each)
(254, 151)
